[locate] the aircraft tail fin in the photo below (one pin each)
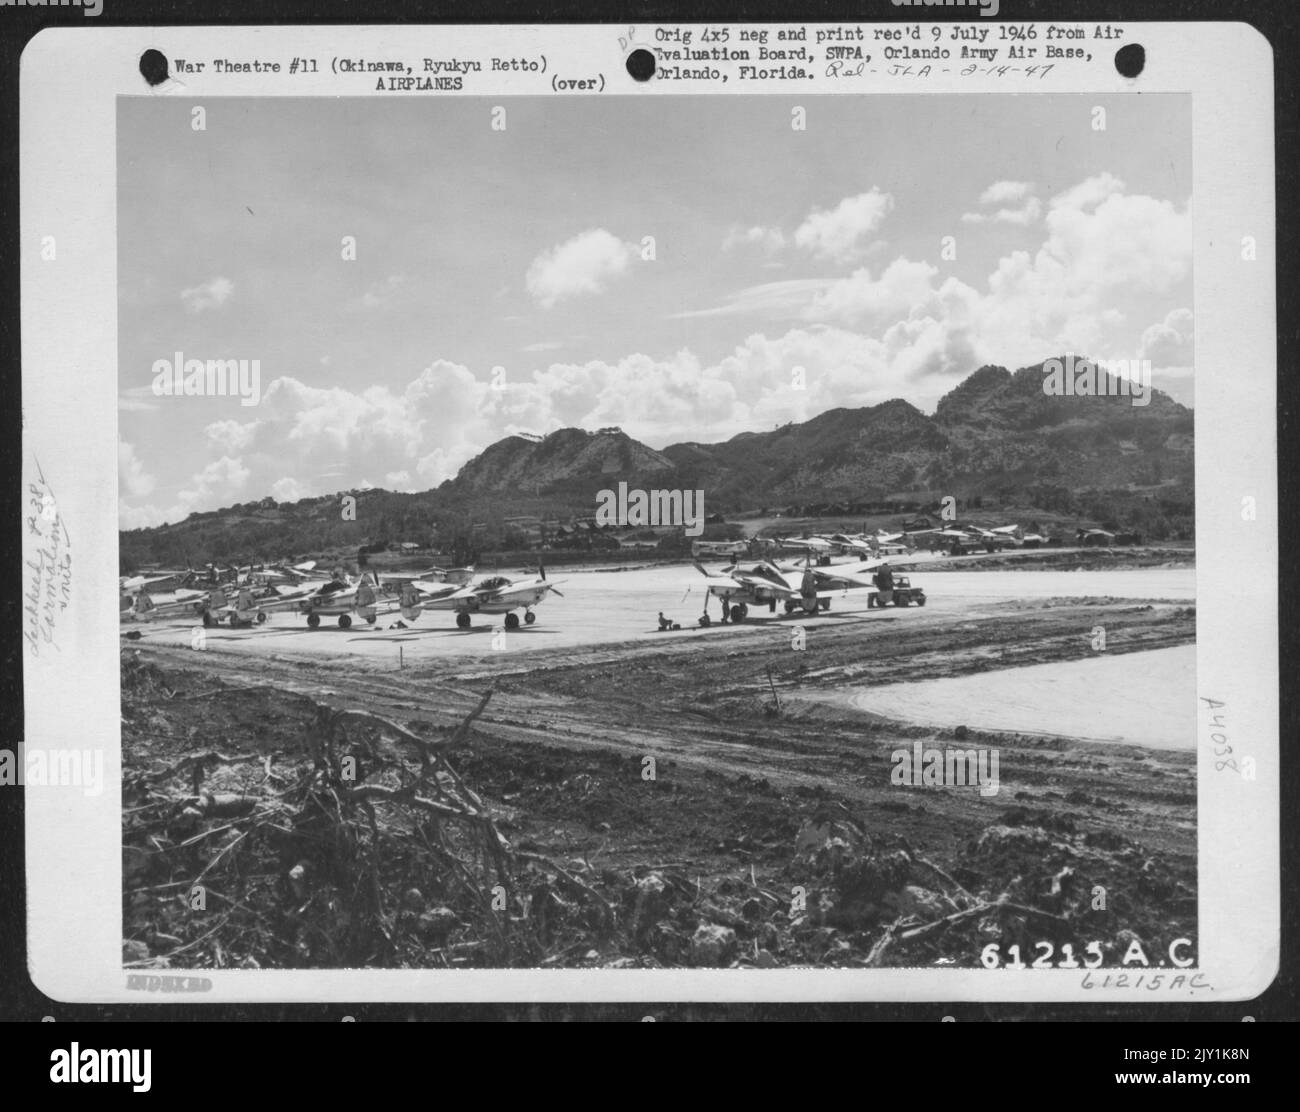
(410, 603)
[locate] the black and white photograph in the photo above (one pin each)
(746, 532)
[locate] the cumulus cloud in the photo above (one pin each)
(1019, 205)
(210, 295)
(1169, 343)
(133, 480)
(841, 234)
(767, 240)
(309, 441)
(287, 489)
(231, 436)
(1102, 246)
(1102, 240)
(1090, 192)
(217, 484)
(908, 329)
(420, 434)
(580, 266)
(1006, 192)
(901, 287)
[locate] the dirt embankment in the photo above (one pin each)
(649, 804)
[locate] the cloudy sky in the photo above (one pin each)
(500, 282)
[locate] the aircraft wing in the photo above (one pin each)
(726, 583)
(742, 581)
(136, 582)
(504, 594)
(850, 580)
(467, 592)
(721, 580)
(279, 601)
(757, 581)
(434, 590)
(859, 571)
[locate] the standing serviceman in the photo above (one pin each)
(884, 581)
(808, 591)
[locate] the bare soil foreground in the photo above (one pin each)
(660, 802)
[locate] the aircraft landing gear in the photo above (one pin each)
(705, 620)
(512, 620)
(344, 621)
(462, 620)
(261, 616)
(738, 612)
(529, 617)
(791, 606)
(208, 620)
(313, 620)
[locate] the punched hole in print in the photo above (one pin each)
(153, 66)
(641, 64)
(1131, 60)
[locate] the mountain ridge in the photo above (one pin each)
(996, 435)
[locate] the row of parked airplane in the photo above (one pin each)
(245, 596)
(810, 586)
(879, 543)
(953, 538)
(258, 594)
(961, 539)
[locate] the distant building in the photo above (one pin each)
(1091, 538)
